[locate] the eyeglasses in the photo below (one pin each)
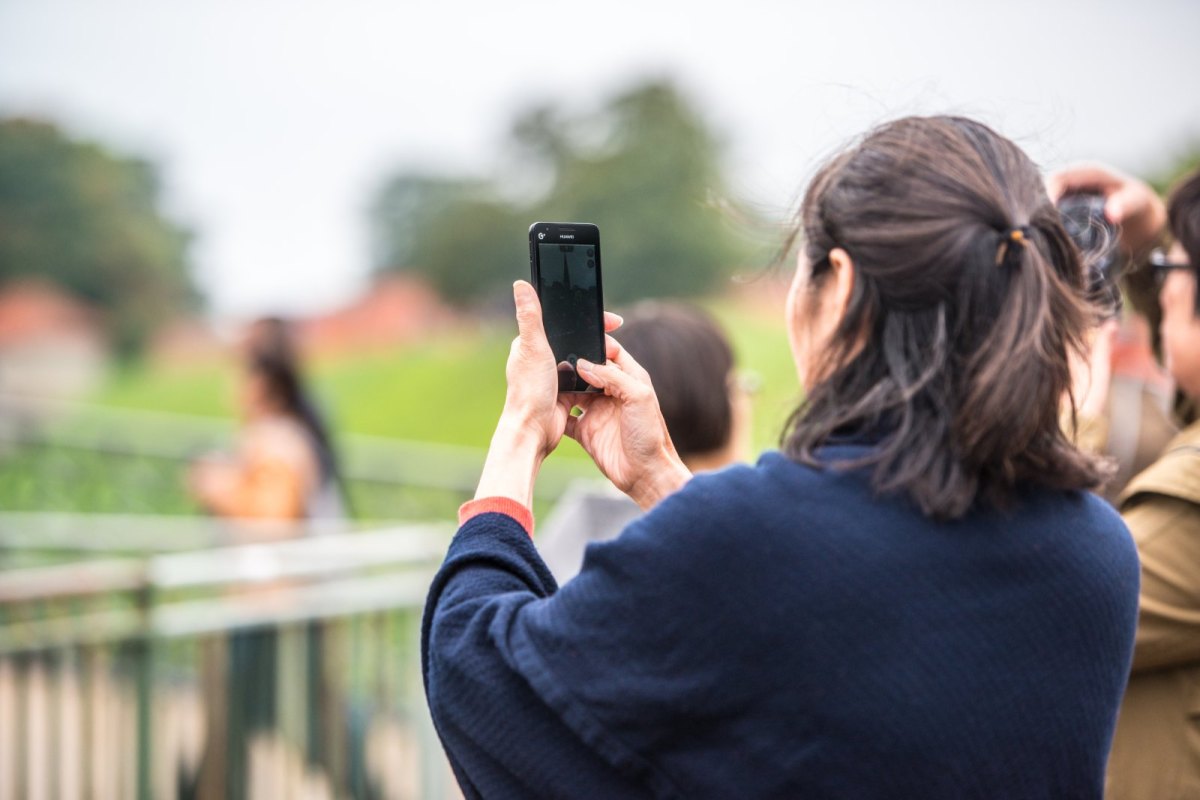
(1162, 265)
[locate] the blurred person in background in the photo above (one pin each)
(1124, 398)
(285, 467)
(1138, 420)
(285, 470)
(1156, 751)
(704, 401)
(918, 597)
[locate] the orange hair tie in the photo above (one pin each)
(1017, 236)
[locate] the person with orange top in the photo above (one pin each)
(284, 467)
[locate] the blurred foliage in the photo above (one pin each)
(644, 167)
(55, 478)
(89, 221)
(1184, 162)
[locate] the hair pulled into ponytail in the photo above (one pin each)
(968, 298)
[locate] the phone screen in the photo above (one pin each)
(568, 282)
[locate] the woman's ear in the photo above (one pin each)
(842, 280)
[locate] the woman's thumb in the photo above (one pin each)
(529, 310)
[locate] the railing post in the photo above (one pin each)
(88, 660)
(140, 656)
(348, 641)
(21, 664)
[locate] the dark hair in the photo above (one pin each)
(955, 339)
(1183, 222)
(1183, 217)
(690, 363)
(271, 355)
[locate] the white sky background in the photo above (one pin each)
(274, 120)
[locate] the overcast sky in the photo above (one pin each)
(274, 120)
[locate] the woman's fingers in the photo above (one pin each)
(578, 424)
(1129, 202)
(1083, 178)
(1124, 195)
(529, 313)
(612, 321)
(1133, 199)
(614, 380)
(581, 401)
(617, 353)
(566, 402)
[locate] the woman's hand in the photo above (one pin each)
(623, 430)
(1129, 203)
(531, 402)
(535, 414)
(209, 479)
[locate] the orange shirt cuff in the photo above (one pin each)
(497, 505)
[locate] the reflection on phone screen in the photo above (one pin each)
(571, 308)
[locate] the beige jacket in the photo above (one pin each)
(1156, 752)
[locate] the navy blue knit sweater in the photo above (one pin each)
(780, 631)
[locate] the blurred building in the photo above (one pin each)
(185, 341)
(52, 348)
(396, 310)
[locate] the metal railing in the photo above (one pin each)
(284, 668)
(147, 652)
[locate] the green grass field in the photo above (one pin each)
(447, 390)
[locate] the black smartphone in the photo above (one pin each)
(564, 260)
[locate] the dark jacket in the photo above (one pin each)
(780, 631)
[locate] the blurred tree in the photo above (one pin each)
(452, 232)
(1184, 162)
(88, 220)
(643, 167)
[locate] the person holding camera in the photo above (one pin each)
(1156, 751)
(917, 597)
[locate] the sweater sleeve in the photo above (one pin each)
(538, 692)
(501, 737)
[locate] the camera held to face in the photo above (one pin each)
(1097, 240)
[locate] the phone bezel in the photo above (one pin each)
(582, 233)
